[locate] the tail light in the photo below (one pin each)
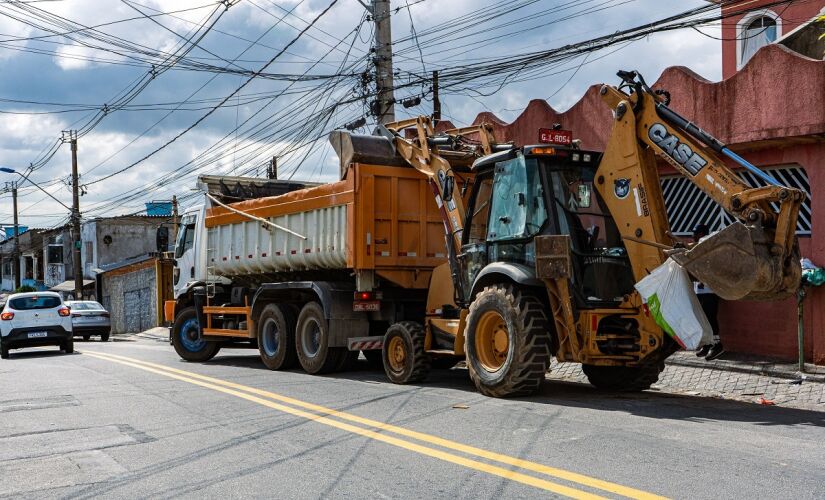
(7, 316)
(64, 311)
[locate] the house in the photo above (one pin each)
(31, 260)
(769, 108)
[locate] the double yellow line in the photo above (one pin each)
(387, 433)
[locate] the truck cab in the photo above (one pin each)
(190, 252)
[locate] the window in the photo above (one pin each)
(89, 253)
(55, 255)
(481, 212)
(34, 302)
(186, 236)
(688, 206)
(755, 33)
(517, 209)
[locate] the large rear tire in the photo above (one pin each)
(623, 378)
(507, 342)
(312, 341)
(276, 337)
(405, 360)
(186, 341)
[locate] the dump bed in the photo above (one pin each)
(379, 218)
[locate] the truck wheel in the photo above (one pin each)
(623, 378)
(405, 359)
(186, 341)
(312, 341)
(276, 337)
(507, 342)
(67, 346)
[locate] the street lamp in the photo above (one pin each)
(13, 171)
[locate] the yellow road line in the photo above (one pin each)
(424, 450)
(427, 438)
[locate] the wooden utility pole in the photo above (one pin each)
(76, 239)
(383, 61)
(436, 100)
(16, 251)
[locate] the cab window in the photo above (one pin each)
(186, 236)
(480, 212)
(517, 207)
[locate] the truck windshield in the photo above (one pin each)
(518, 209)
(186, 235)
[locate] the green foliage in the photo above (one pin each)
(25, 288)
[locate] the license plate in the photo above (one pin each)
(34, 335)
(373, 305)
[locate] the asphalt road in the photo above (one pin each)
(130, 419)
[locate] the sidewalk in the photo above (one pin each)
(735, 376)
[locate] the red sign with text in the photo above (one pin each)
(549, 136)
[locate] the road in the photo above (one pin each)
(130, 419)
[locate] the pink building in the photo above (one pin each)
(769, 108)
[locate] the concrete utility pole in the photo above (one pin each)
(16, 251)
(76, 239)
(383, 61)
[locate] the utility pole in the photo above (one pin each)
(272, 169)
(16, 251)
(76, 240)
(383, 61)
(436, 100)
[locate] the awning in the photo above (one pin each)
(68, 286)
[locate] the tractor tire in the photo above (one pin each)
(623, 378)
(276, 337)
(185, 338)
(507, 342)
(312, 341)
(405, 360)
(67, 346)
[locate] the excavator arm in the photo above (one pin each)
(755, 258)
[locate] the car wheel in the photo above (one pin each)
(68, 346)
(104, 337)
(86, 338)
(4, 352)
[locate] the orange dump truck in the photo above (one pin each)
(310, 276)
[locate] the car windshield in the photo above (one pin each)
(34, 302)
(85, 306)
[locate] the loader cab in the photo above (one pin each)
(538, 190)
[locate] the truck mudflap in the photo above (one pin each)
(365, 343)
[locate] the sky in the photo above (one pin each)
(66, 60)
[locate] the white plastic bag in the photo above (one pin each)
(668, 293)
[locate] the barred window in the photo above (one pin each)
(688, 206)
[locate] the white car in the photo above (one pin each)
(35, 319)
(89, 318)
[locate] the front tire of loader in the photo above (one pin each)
(405, 360)
(276, 337)
(312, 341)
(623, 378)
(507, 342)
(186, 341)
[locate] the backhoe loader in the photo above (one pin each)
(543, 259)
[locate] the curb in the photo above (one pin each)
(767, 370)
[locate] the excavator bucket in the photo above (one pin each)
(737, 264)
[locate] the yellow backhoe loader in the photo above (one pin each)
(544, 256)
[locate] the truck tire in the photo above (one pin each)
(623, 378)
(276, 337)
(507, 342)
(67, 346)
(312, 341)
(405, 360)
(185, 338)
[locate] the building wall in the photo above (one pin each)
(127, 237)
(129, 294)
(791, 16)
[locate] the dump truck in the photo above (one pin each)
(435, 248)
